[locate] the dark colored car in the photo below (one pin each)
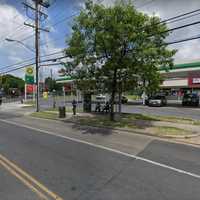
(157, 100)
(190, 100)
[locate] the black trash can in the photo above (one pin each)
(62, 113)
(87, 102)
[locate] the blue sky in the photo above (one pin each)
(13, 16)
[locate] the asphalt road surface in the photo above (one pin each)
(37, 163)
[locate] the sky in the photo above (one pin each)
(13, 15)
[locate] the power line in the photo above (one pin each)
(181, 27)
(53, 59)
(27, 65)
(184, 40)
(169, 19)
(19, 63)
(181, 15)
(187, 17)
(64, 19)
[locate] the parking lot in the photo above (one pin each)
(173, 108)
(170, 110)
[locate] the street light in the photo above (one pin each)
(29, 48)
(20, 42)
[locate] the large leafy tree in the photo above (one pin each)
(114, 48)
(9, 81)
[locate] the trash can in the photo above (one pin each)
(87, 103)
(62, 113)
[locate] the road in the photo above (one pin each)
(41, 159)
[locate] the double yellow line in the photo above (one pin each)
(42, 191)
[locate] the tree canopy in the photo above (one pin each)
(115, 48)
(9, 81)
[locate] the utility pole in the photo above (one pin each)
(37, 54)
(37, 29)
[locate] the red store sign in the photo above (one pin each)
(194, 81)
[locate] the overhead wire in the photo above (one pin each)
(172, 19)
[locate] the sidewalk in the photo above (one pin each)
(17, 108)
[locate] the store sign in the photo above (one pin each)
(30, 88)
(194, 81)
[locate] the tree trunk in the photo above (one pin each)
(120, 98)
(114, 84)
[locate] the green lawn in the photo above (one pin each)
(45, 115)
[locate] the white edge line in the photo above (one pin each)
(106, 148)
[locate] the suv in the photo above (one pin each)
(190, 100)
(157, 100)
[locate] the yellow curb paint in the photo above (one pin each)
(30, 178)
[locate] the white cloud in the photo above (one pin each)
(11, 23)
(12, 52)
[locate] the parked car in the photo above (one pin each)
(190, 100)
(157, 100)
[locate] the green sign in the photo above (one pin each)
(29, 76)
(29, 79)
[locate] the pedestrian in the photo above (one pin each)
(74, 104)
(144, 98)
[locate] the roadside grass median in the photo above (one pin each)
(45, 115)
(125, 122)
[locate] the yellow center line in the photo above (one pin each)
(24, 181)
(28, 177)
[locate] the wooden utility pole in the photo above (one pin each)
(37, 29)
(37, 54)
